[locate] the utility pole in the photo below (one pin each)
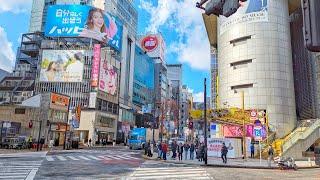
(244, 127)
(65, 132)
(205, 123)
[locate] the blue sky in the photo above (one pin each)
(179, 22)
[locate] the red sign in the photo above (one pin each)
(149, 43)
(95, 65)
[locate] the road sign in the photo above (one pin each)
(257, 132)
(253, 115)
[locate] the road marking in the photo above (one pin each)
(12, 177)
(82, 157)
(73, 158)
(32, 174)
(61, 158)
(92, 157)
(49, 158)
(113, 157)
(105, 158)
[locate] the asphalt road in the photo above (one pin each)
(122, 163)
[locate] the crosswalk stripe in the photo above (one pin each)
(170, 170)
(82, 157)
(73, 158)
(163, 176)
(12, 177)
(121, 157)
(92, 157)
(112, 157)
(61, 158)
(103, 157)
(49, 158)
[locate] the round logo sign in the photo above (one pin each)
(149, 43)
(253, 113)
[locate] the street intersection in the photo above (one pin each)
(121, 163)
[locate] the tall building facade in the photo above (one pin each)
(254, 52)
(174, 73)
(304, 70)
(143, 89)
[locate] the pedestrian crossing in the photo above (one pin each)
(170, 173)
(19, 169)
(84, 157)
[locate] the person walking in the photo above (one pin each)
(270, 155)
(201, 152)
(180, 151)
(192, 147)
(89, 143)
(146, 148)
(224, 152)
(159, 150)
(252, 150)
(186, 149)
(164, 150)
(41, 142)
(174, 149)
(30, 142)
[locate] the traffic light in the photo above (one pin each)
(220, 7)
(311, 14)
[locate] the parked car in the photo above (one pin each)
(14, 143)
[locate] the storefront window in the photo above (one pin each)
(107, 122)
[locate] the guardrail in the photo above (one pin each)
(302, 134)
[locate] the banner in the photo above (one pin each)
(108, 79)
(76, 118)
(95, 65)
(84, 21)
(62, 66)
(59, 102)
(232, 131)
(215, 145)
(249, 12)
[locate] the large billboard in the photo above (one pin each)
(153, 44)
(108, 78)
(249, 12)
(84, 21)
(95, 65)
(59, 102)
(62, 66)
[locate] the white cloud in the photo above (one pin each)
(192, 45)
(7, 56)
(198, 97)
(15, 6)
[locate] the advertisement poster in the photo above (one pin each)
(108, 77)
(249, 12)
(95, 65)
(62, 66)
(59, 102)
(92, 99)
(232, 131)
(215, 145)
(84, 21)
(76, 117)
(214, 130)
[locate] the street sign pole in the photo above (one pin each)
(205, 122)
(260, 150)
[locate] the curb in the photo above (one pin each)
(226, 166)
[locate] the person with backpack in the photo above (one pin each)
(224, 152)
(192, 147)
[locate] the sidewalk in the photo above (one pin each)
(234, 163)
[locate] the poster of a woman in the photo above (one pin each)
(96, 27)
(108, 78)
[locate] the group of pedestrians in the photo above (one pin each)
(187, 148)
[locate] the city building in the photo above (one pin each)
(174, 74)
(304, 71)
(186, 101)
(3, 74)
(143, 89)
(265, 75)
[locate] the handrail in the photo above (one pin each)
(300, 135)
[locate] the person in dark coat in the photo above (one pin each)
(201, 152)
(252, 150)
(174, 149)
(180, 151)
(41, 142)
(192, 148)
(224, 151)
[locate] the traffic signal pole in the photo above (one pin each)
(205, 123)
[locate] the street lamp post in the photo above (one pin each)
(205, 122)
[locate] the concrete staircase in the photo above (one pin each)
(301, 138)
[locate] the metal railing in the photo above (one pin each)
(303, 131)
